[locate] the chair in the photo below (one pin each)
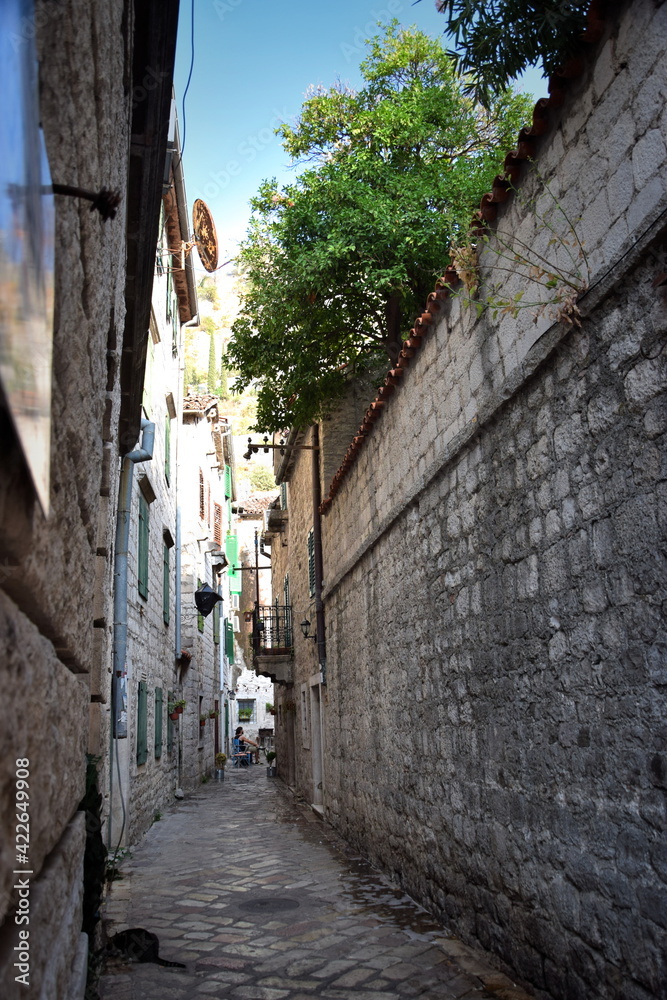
(240, 758)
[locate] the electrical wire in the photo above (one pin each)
(192, 63)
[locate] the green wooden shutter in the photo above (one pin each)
(283, 496)
(288, 611)
(158, 722)
(229, 641)
(167, 448)
(142, 723)
(142, 568)
(165, 584)
(232, 553)
(311, 562)
(228, 482)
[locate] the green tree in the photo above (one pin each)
(496, 40)
(262, 478)
(206, 290)
(211, 381)
(338, 263)
(223, 384)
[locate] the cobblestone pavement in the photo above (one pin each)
(263, 902)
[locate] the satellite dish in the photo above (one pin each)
(205, 235)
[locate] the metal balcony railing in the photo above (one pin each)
(272, 630)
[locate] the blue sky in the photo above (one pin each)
(254, 61)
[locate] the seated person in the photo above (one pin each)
(238, 735)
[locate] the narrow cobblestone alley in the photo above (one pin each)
(262, 901)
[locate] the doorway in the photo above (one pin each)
(317, 748)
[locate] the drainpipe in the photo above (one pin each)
(118, 714)
(317, 545)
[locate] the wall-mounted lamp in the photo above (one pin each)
(305, 628)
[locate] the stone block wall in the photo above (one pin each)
(55, 566)
(494, 588)
(293, 729)
(151, 654)
(200, 680)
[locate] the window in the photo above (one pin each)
(311, 563)
(246, 709)
(165, 583)
(167, 449)
(142, 567)
(158, 722)
(217, 523)
(229, 642)
(234, 601)
(142, 723)
(202, 496)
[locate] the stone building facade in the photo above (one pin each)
(145, 759)
(206, 471)
(103, 128)
(252, 691)
(493, 716)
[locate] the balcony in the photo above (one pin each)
(273, 642)
(275, 520)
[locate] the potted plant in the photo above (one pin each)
(179, 706)
(271, 769)
(202, 720)
(213, 714)
(171, 711)
(220, 761)
(270, 709)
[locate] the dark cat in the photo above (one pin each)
(139, 945)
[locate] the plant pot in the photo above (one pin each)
(270, 772)
(174, 716)
(220, 774)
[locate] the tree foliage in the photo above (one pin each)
(496, 40)
(338, 263)
(262, 478)
(211, 377)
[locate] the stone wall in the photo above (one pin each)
(494, 581)
(151, 654)
(49, 563)
(56, 577)
(293, 730)
(200, 679)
